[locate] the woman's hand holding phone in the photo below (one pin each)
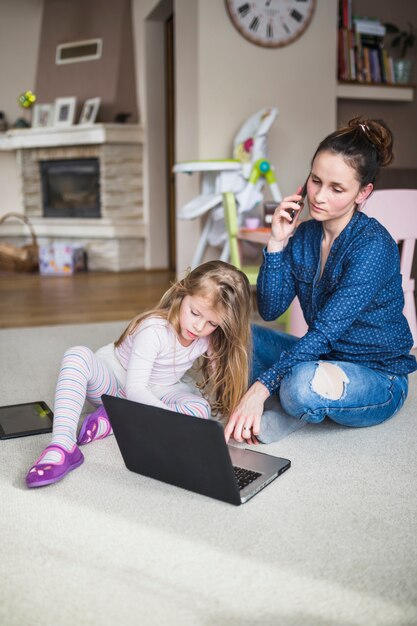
(284, 220)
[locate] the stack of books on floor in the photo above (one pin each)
(362, 56)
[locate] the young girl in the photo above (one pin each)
(204, 315)
(352, 365)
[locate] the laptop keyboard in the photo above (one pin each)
(244, 476)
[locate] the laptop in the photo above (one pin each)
(188, 452)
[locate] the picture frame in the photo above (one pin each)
(43, 115)
(64, 111)
(89, 111)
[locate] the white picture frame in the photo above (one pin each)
(43, 115)
(89, 111)
(64, 111)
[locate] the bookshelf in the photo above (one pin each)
(365, 69)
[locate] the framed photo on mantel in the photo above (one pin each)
(89, 111)
(42, 115)
(64, 111)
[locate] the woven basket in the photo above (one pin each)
(19, 259)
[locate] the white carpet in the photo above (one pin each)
(331, 542)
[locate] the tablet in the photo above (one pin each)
(20, 420)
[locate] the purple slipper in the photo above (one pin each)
(90, 428)
(41, 474)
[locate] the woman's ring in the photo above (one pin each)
(246, 428)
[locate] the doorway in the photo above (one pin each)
(160, 130)
(170, 139)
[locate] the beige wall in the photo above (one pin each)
(20, 24)
(236, 78)
(221, 79)
(11, 198)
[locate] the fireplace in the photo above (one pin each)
(82, 185)
(71, 188)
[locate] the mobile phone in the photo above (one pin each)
(269, 207)
(21, 420)
(269, 210)
(303, 194)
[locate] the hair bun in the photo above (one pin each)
(377, 133)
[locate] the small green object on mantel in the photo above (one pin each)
(27, 99)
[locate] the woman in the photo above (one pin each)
(352, 365)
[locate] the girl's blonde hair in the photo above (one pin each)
(225, 373)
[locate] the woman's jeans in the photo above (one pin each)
(347, 393)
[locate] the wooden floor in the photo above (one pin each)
(34, 300)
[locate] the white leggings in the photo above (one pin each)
(87, 375)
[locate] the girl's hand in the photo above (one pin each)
(284, 221)
(245, 421)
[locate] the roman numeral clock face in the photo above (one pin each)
(271, 23)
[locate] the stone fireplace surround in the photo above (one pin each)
(116, 240)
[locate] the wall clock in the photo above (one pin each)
(271, 23)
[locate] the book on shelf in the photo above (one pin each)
(345, 14)
(362, 56)
(366, 26)
(376, 74)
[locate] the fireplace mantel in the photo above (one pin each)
(114, 241)
(76, 135)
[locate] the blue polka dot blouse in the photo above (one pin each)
(353, 311)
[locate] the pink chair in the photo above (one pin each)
(396, 209)
(298, 325)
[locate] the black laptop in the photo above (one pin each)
(188, 452)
